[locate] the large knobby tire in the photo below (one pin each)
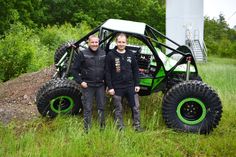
(192, 106)
(61, 50)
(59, 96)
(62, 65)
(44, 87)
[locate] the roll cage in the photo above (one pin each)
(154, 41)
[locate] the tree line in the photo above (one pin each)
(31, 30)
(219, 38)
(35, 13)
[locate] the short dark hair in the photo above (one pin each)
(121, 35)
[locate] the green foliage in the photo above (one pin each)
(28, 12)
(33, 13)
(41, 55)
(21, 51)
(59, 11)
(94, 12)
(220, 39)
(16, 51)
(53, 36)
(24, 50)
(50, 38)
(8, 15)
(224, 48)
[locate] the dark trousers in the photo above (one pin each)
(117, 100)
(87, 99)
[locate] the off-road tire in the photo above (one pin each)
(44, 87)
(59, 96)
(61, 50)
(192, 106)
(62, 67)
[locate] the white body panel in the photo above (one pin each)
(125, 26)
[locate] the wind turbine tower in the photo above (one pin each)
(185, 25)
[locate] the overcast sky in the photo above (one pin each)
(213, 8)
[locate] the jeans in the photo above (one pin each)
(87, 99)
(118, 111)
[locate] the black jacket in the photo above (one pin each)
(121, 70)
(89, 67)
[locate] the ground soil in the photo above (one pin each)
(17, 96)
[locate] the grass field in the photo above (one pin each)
(64, 135)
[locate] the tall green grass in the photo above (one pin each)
(64, 136)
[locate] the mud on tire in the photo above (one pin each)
(192, 106)
(59, 96)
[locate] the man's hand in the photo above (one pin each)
(111, 91)
(136, 89)
(84, 85)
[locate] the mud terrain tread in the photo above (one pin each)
(61, 50)
(44, 87)
(55, 88)
(198, 90)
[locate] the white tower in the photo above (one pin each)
(185, 24)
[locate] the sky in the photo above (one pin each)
(213, 8)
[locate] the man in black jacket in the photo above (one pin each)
(88, 71)
(123, 81)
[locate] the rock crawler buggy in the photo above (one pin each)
(189, 105)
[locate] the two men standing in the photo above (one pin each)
(121, 72)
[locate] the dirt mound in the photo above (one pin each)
(17, 97)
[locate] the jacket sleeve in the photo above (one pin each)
(135, 70)
(108, 71)
(76, 67)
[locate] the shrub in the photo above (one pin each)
(224, 48)
(15, 51)
(25, 50)
(53, 36)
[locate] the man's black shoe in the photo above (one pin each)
(121, 128)
(139, 129)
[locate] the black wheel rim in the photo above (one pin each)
(191, 111)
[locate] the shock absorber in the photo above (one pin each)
(188, 59)
(73, 47)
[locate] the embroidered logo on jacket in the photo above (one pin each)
(129, 59)
(117, 64)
